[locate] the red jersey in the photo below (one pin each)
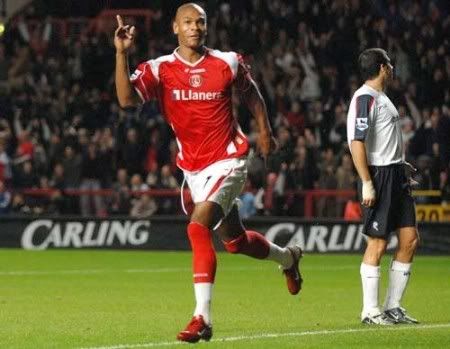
(195, 99)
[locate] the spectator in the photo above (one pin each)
(326, 206)
(167, 205)
(295, 119)
(305, 72)
(142, 205)
(19, 205)
(72, 168)
(59, 198)
(5, 198)
(26, 176)
(346, 180)
(131, 153)
(92, 175)
(5, 165)
(247, 208)
(303, 170)
(284, 152)
(121, 197)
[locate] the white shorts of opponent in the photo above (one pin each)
(220, 182)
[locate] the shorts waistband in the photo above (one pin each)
(387, 166)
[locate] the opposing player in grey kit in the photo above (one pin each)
(375, 140)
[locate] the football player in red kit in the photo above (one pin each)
(194, 87)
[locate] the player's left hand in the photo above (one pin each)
(267, 144)
(410, 170)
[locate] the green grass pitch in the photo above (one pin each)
(114, 299)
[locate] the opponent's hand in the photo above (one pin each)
(368, 194)
(124, 36)
(410, 170)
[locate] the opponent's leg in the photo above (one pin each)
(370, 279)
(238, 240)
(399, 273)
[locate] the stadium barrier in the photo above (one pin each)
(169, 233)
(428, 208)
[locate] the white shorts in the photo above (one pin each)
(220, 182)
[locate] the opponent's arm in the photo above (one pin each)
(123, 40)
(358, 149)
(361, 123)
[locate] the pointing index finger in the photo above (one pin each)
(119, 21)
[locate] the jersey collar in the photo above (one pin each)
(175, 52)
(371, 88)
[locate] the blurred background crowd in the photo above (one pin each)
(61, 129)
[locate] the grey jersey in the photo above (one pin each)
(373, 118)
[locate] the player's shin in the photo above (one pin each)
(370, 278)
(204, 267)
(398, 280)
(255, 245)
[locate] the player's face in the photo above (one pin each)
(388, 70)
(190, 26)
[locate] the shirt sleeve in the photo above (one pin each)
(364, 108)
(243, 79)
(144, 81)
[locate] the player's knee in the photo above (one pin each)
(207, 213)
(411, 244)
(376, 247)
(200, 236)
(414, 243)
(235, 245)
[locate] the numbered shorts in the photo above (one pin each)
(220, 182)
(394, 207)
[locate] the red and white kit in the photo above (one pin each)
(195, 99)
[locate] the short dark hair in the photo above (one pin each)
(369, 62)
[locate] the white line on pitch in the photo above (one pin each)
(277, 335)
(155, 270)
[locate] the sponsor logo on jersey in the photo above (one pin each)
(195, 80)
(189, 95)
(196, 71)
(361, 124)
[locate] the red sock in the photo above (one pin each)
(250, 243)
(203, 253)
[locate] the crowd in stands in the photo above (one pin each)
(61, 128)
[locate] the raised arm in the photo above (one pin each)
(123, 40)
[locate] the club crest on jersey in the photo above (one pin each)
(395, 118)
(195, 80)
